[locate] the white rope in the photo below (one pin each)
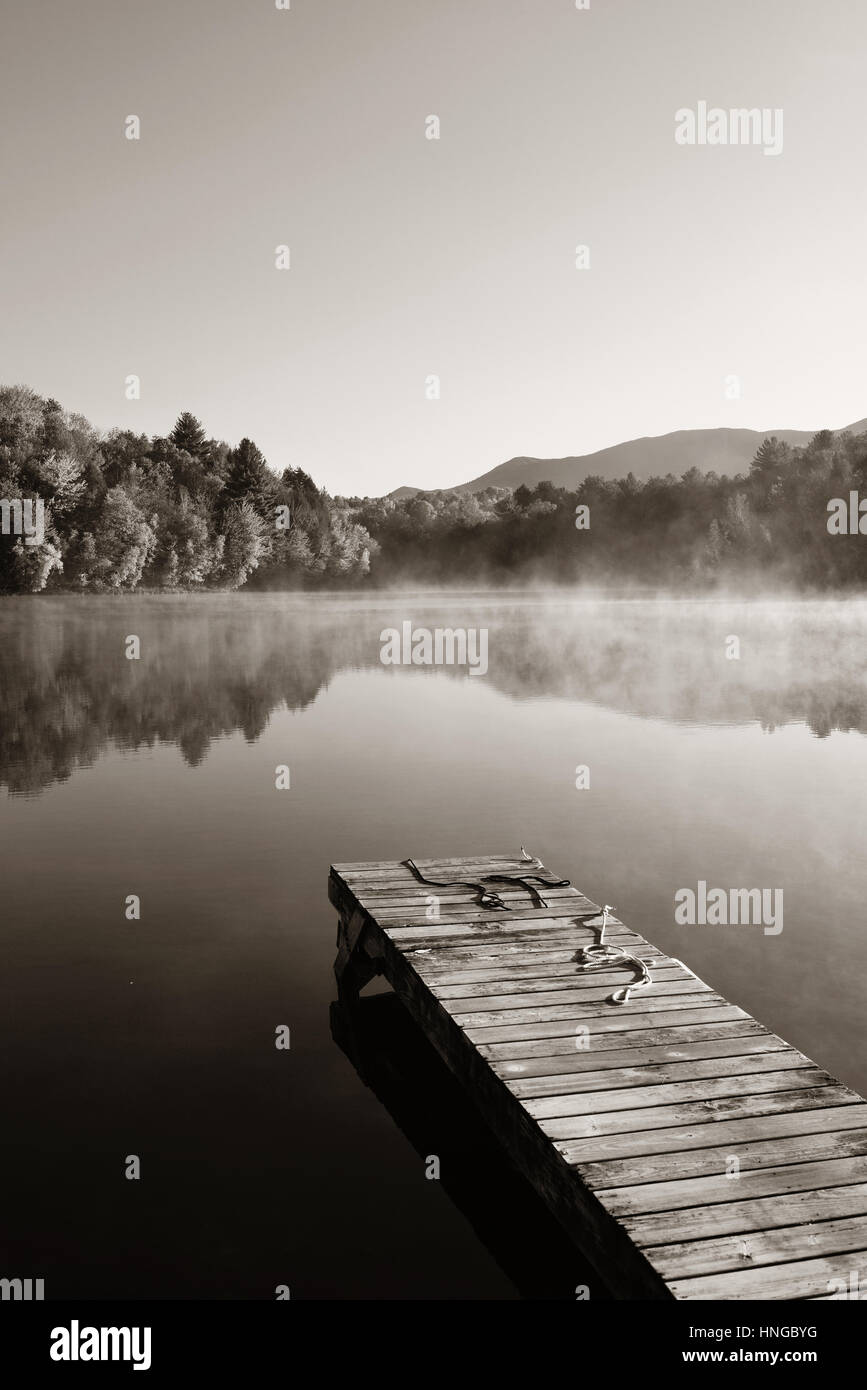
(602, 957)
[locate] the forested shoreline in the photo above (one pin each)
(125, 512)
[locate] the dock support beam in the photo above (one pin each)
(359, 958)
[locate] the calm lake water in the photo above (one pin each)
(156, 777)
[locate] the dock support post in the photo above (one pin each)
(358, 958)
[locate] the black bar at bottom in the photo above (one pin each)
(222, 1338)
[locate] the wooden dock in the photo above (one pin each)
(629, 1119)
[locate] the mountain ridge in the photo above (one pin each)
(724, 450)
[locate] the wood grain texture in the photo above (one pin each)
(626, 1118)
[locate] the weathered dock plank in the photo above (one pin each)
(610, 1112)
(800, 1210)
(687, 1150)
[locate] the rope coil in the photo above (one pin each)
(601, 956)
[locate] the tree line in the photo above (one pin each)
(763, 529)
(124, 510)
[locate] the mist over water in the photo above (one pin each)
(216, 664)
(156, 777)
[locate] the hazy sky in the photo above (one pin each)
(412, 256)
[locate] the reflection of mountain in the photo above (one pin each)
(212, 665)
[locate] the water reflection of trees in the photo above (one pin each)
(210, 668)
(68, 692)
(798, 663)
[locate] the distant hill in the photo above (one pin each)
(718, 451)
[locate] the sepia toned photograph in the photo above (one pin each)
(433, 668)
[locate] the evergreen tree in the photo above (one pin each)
(189, 434)
(248, 475)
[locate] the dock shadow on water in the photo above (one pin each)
(395, 1060)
